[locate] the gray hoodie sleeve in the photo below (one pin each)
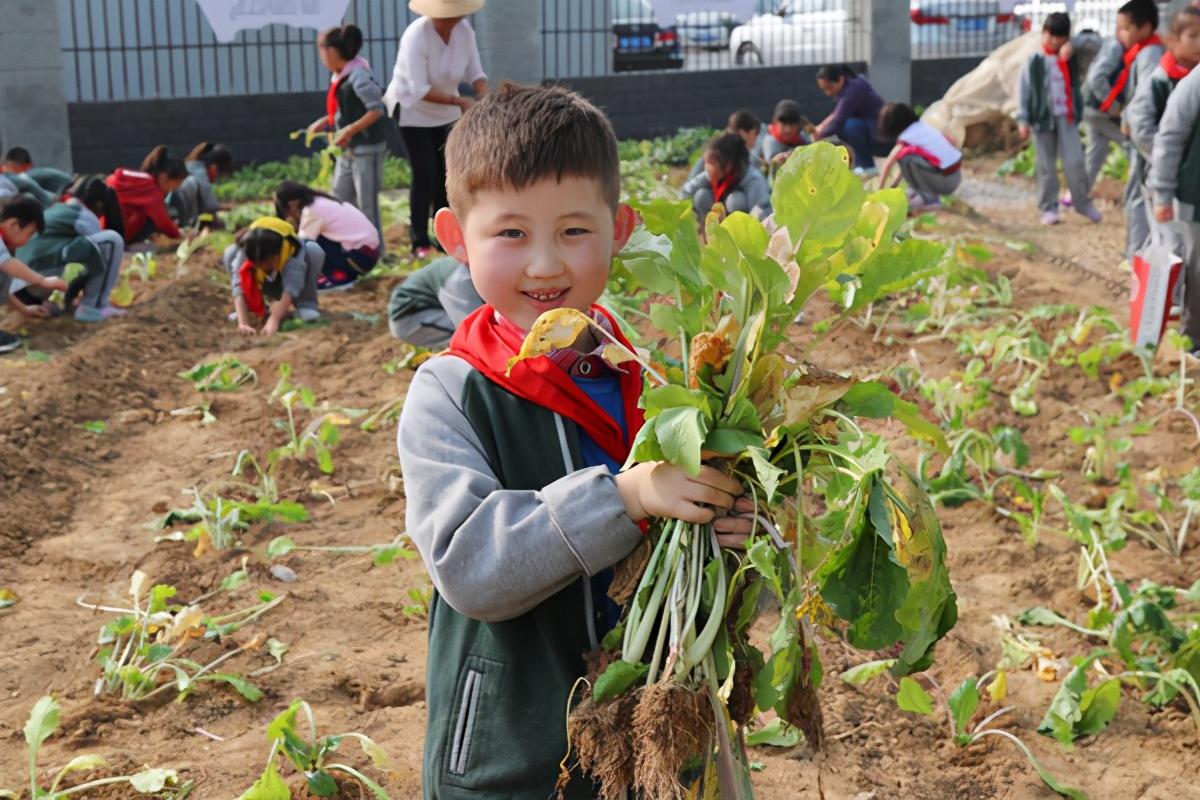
(1099, 77)
(458, 295)
(758, 193)
(694, 185)
(1024, 94)
(87, 223)
(1142, 119)
(1174, 133)
(494, 553)
(231, 258)
(367, 89)
(295, 274)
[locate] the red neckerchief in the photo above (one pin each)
(331, 103)
(252, 288)
(1064, 67)
(487, 343)
(1123, 79)
(1175, 71)
(723, 187)
(795, 140)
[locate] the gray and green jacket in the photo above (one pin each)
(1175, 171)
(443, 283)
(753, 185)
(1034, 104)
(510, 530)
(1145, 111)
(62, 241)
(358, 93)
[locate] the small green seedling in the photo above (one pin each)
(384, 554)
(42, 722)
(217, 521)
(97, 427)
(321, 434)
(310, 756)
(151, 639)
(224, 373)
(961, 707)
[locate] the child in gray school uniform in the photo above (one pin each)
(355, 110)
(1050, 106)
(1175, 187)
(273, 271)
(195, 196)
(787, 131)
(428, 306)
(728, 179)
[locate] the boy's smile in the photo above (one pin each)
(549, 245)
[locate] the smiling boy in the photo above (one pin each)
(514, 500)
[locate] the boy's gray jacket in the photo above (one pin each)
(510, 531)
(1103, 72)
(1175, 173)
(1144, 112)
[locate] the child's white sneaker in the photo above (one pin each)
(1050, 218)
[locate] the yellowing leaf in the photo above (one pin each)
(915, 558)
(554, 330)
(8, 598)
(614, 355)
(184, 621)
(137, 585)
(814, 390)
(708, 349)
(998, 688)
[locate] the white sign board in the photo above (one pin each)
(227, 17)
(665, 11)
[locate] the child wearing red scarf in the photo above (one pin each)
(273, 272)
(1145, 111)
(786, 132)
(1124, 63)
(514, 498)
(1050, 105)
(728, 179)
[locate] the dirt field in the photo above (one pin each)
(74, 508)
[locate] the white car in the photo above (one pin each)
(705, 29)
(793, 32)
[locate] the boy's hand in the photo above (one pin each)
(54, 283)
(1164, 213)
(1023, 131)
(342, 138)
(735, 529)
(664, 490)
(270, 328)
(245, 329)
(318, 126)
(36, 312)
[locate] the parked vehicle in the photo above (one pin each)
(639, 42)
(792, 32)
(705, 29)
(960, 27)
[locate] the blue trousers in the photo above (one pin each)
(859, 136)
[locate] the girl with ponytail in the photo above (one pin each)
(142, 195)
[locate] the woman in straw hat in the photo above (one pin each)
(437, 53)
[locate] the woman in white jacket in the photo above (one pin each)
(437, 53)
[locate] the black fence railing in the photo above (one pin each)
(148, 49)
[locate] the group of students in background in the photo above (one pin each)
(1141, 92)
(738, 165)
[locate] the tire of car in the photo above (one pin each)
(749, 56)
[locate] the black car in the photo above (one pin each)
(639, 42)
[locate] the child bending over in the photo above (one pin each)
(21, 218)
(272, 271)
(349, 239)
(929, 163)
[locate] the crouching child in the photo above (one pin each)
(929, 163)
(728, 179)
(429, 305)
(273, 272)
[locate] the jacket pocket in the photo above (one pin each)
(477, 685)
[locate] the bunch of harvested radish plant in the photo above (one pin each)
(845, 540)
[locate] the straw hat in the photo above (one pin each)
(441, 9)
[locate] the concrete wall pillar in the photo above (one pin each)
(510, 40)
(33, 110)
(889, 40)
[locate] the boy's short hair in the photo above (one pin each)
(25, 210)
(787, 111)
(1057, 24)
(519, 135)
(1141, 13)
(743, 120)
(1184, 19)
(18, 155)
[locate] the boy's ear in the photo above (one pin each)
(626, 222)
(450, 234)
